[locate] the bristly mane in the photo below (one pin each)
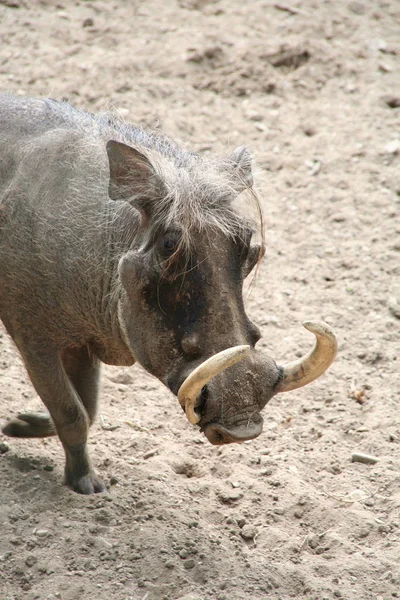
(199, 191)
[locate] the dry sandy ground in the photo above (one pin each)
(313, 93)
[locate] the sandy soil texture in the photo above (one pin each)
(313, 89)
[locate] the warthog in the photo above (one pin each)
(116, 246)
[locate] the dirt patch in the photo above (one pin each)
(314, 92)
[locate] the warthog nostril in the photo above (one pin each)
(218, 435)
(219, 438)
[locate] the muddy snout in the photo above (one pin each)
(224, 394)
(193, 394)
(227, 405)
(230, 413)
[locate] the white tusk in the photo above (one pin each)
(312, 365)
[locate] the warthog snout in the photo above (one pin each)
(249, 388)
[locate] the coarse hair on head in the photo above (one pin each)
(177, 188)
(185, 191)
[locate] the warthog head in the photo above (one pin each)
(181, 307)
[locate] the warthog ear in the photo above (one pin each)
(241, 161)
(132, 177)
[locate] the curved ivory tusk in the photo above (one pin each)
(191, 388)
(312, 365)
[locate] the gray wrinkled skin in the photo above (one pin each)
(118, 246)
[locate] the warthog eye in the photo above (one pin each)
(169, 243)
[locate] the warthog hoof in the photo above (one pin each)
(86, 484)
(30, 425)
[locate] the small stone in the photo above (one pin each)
(170, 564)
(233, 496)
(42, 533)
(184, 553)
(15, 541)
(88, 22)
(393, 147)
(4, 447)
(189, 564)
(275, 482)
(192, 524)
(253, 115)
(30, 560)
(309, 130)
(329, 276)
(384, 67)
(364, 532)
(384, 529)
(278, 511)
(392, 101)
(48, 468)
(367, 459)
(248, 532)
(314, 166)
(150, 453)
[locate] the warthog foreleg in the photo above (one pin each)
(83, 370)
(68, 386)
